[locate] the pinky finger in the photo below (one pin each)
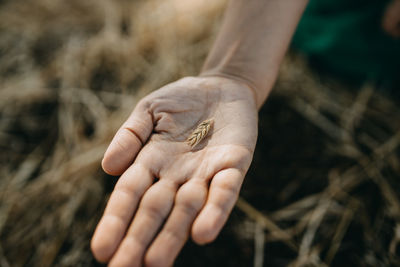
(223, 194)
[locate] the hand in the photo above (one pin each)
(168, 190)
(391, 19)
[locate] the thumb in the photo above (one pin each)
(128, 140)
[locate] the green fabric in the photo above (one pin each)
(346, 37)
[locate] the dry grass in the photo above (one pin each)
(323, 186)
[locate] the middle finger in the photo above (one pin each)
(154, 207)
(189, 200)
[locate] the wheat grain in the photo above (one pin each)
(200, 132)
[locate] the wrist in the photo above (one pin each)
(247, 83)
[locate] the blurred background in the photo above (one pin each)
(323, 189)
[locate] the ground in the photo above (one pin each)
(323, 186)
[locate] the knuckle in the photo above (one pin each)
(226, 204)
(145, 103)
(228, 188)
(189, 207)
(134, 241)
(131, 191)
(158, 200)
(154, 211)
(191, 198)
(177, 234)
(132, 136)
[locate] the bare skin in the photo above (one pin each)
(391, 19)
(177, 185)
(169, 191)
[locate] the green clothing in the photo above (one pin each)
(346, 37)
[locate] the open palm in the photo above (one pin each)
(168, 190)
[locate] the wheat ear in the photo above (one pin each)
(200, 133)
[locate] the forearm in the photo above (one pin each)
(252, 41)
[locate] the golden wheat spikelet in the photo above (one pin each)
(200, 132)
